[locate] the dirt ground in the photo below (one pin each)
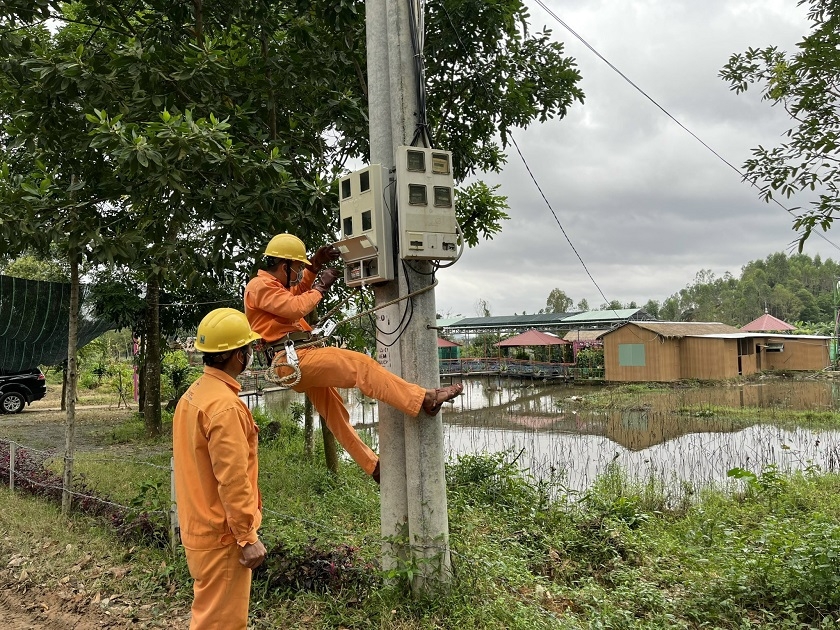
(25, 606)
(37, 609)
(41, 425)
(72, 603)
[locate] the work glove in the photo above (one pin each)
(325, 280)
(324, 255)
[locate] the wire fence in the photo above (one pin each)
(26, 468)
(29, 469)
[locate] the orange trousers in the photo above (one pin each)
(325, 369)
(221, 589)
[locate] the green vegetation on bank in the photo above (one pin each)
(760, 554)
(672, 399)
(815, 420)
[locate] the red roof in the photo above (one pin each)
(767, 323)
(445, 343)
(533, 338)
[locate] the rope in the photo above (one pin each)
(375, 308)
(290, 380)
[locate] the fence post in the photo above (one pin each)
(173, 508)
(12, 449)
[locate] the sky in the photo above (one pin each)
(645, 205)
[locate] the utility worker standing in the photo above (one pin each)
(276, 301)
(214, 441)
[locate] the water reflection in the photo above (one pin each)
(555, 438)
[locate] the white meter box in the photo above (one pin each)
(366, 234)
(426, 204)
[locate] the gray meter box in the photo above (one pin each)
(426, 204)
(366, 235)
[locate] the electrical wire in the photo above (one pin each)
(527, 167)
(461, 248)
(416, 28)
(199, 303)
(401, 324)
(667, 113)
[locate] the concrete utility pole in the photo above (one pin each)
(413, 490)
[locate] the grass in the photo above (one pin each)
(524, 555)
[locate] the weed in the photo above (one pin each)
(315, 569)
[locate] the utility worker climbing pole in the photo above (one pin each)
(214, 443)
(276, 301)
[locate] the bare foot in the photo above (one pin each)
(436, 397)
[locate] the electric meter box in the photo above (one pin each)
(426, 204)
(366, 234)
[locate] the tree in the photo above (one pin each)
(32, 267)
(614, 305)
(174, 137)
(486, 74)
(651, 307)
(173, 194)
(482, 308)
(583, 305)
(558, 302)
(805, 84)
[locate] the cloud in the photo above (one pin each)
(643, 203)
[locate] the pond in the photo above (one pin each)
(547, 430)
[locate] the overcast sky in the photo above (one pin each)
(645, 205)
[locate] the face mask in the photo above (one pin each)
(296, 276)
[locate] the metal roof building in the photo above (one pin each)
(543, 321)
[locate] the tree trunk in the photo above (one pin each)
(330, 451)
(141, 373)
(71, 378)
(198, 14)
(64, 386)
(308, 429)
(151, 406)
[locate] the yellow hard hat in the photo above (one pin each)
(224, 329)
(287, 246)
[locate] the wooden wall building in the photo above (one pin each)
(673, 351)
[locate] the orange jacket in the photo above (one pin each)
(214, 443)
(273, 310)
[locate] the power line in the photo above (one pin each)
(556, 218)
(667, 113)
(527, 166)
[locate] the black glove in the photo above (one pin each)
(325, 280)
(324, 255)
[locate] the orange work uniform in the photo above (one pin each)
(214, 443)
(274, 311)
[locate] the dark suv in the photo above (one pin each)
(19, 389)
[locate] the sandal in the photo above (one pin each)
(440, 396)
